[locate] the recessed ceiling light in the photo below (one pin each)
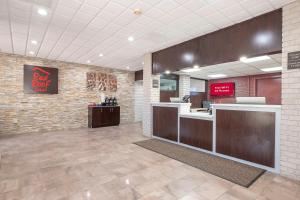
(127, 67)
(33, 42)
(272, 69)
(143, 63)
(217, 75)
(254, 59)
(130, 39)
(42, 12)
(191, 70)
(31, 52)
(88, 61)
(167, 72)
(100, 55)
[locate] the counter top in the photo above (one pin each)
(197, 115)
(99, 106)
(182, 107)
(246, 105)
(169, 104)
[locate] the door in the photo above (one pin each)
(269, 88)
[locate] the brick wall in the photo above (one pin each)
(22, 113)
(150, 94)
(138, 101)
(290, 123)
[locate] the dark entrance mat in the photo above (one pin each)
(233, 171)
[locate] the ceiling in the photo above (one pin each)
(238, 68)
(79, 30)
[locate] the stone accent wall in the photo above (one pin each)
(184, 85)
(290, 122)
(23, 113)
(150, 94)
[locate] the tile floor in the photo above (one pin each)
(104, 164)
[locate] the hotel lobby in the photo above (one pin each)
(149, 99)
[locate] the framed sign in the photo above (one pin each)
(155, 83)
(222, 89)
(40, 80)
(294, 60)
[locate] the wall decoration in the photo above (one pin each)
(91, 80)
(222, 89)
(112, 83)
(101, 81)
(40, 80)
(294, 60)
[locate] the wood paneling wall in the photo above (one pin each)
(268, 85)
(225, 45)
(138, 75)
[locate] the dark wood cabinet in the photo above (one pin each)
(100, 116)
(196, 132)
(165, 122)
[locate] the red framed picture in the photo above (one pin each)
(40, 80)
(222, 89)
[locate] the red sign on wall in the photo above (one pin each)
(41, 80)
(222, 89)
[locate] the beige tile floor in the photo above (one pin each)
(96, 164)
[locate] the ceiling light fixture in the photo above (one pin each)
(137, 11)
(42, 12)
(31, 52)
(189, 70)
(271, 69)
(88, 61)
(244, 59)
(127, 67)
(167, 72)
(33, 42)
(217, 75)
(130, 39)
(100, 55)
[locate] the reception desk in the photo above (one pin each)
(245, 133)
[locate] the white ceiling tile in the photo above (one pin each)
(194, 4)
(167, 5)
(80, 29)
(114, 9)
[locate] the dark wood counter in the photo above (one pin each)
(196, 132)
(248, 135)
(165, 122)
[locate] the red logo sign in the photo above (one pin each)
(40, 80)
(222, 89)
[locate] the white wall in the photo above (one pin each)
(138, 101)
(290, 123)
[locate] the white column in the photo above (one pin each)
(290, 114)
(151, 95)
(184, 85)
